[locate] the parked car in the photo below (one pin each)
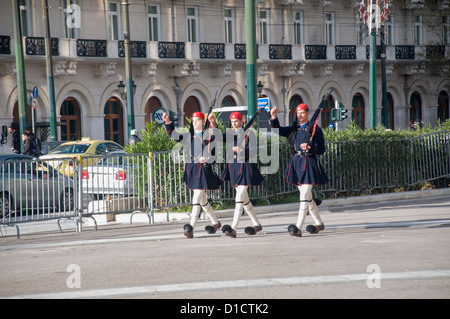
(47, 147)
(110, 176)
(64, 157)
(28, 184)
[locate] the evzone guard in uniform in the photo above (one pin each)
(198, 174)
(241, 175)
(304, 169)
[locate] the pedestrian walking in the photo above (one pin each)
(29, 145)
(36, 140)
(304, 169)
(198, 173)
(15, 140)
(242, 174)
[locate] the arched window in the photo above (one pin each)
(293, 103)
(442, 106)
(415, 112)
(190, 106)
(70, 117)
(358, 110)
(113, 120)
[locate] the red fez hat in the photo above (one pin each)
(198, 114)
(302, 107)
(235, 116)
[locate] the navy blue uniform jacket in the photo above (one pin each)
(303, 167)
(240, 171)
(197, 175)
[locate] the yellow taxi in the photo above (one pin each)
(85, 152)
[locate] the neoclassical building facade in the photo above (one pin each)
(184, 52)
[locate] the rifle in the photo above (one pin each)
(252, 120)
(311, 129)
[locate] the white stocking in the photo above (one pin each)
(196, 208)
(305, 195)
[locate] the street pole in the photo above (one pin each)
(128, 67)
(20, 69)
(386, 122)
(250, 31)
(372, 68)
(49, 65)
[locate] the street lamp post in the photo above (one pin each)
(375, 13)
(123, 90)
(128, 68)
(250, 31)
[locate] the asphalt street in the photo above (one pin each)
(390, 249)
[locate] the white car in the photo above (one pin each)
(110, 176)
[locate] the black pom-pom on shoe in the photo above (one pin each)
(294, 231)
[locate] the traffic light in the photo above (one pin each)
(339, 109)
(173, 117)
(333, 115)
(342, 115)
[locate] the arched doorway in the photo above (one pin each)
(390, 106)
(326, 112)
(190, 106)
(358, 110)
(113, 120)
(151, 106)
(442, 107)
(228, 101)
(71, 120)
(293, 103)
(415, 111)
(16, 114)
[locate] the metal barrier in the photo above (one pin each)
(34, 190)
(77, 188)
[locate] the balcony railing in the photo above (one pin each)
(345, 52)
(280, 52)
(171, 50)
(404, 52)
(315, 52)
(435, 52)
(36, 46)
(212, 51)
(91, 48)
(138, 49)
(377, 52)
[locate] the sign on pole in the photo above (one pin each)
(264, 102)
(34, 94)
(34, 103)
(157, 116)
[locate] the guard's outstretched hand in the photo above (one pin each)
(273, 113)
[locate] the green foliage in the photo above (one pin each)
(353, 133)
(154, 138)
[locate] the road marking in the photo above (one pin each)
(232, 284)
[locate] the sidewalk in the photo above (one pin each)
(163, 217)
(293, 207)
